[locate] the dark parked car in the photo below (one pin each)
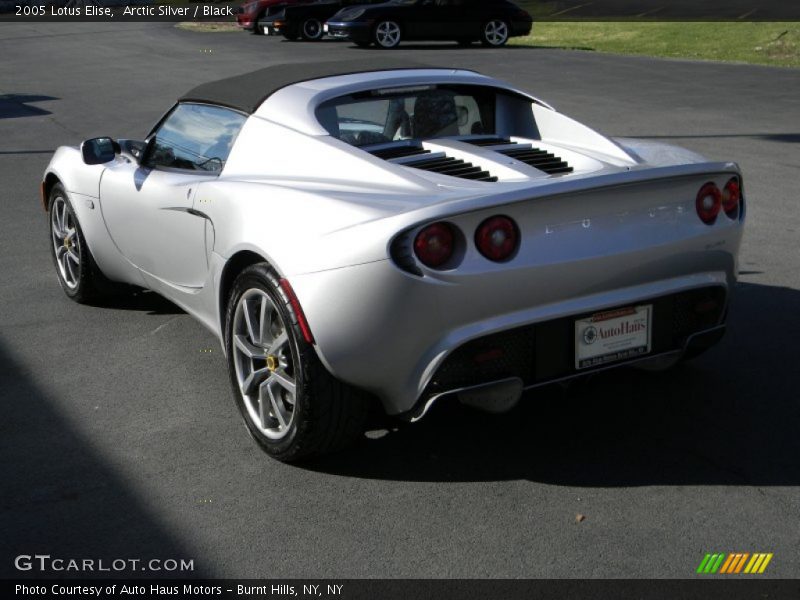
(305, 20)
(249, 13)
(490, 21)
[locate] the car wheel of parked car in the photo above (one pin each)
(387, 34)
(257, 29)
(311, 30)
(494, 33)
(75, 267)
(290, 403)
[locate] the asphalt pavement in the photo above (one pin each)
(119, 437)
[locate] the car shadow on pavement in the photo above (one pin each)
(62, 498)
(132, 298)
(729, 417)
(473, 46)
(13, 106)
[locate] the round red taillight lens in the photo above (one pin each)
(708, 203)
(497, 238)
(434, 245)
(731, 196)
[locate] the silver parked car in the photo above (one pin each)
(397, 234)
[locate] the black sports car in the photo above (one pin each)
(304, 20)
(386, 24)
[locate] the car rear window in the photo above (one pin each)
(416, 112)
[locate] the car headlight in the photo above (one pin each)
(350, 15)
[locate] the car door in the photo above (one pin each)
(147, 206)
(419, 21)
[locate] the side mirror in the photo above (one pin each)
(99, 150)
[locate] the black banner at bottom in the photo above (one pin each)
(711, 588)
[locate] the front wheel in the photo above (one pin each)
(76, 270)
(494, 33)
(387, 34)
(291, 405)
(311, 30)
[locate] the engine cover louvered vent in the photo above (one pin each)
(437, 162)
(399, 152)
(454, 167)
(535, 157)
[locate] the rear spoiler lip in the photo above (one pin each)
(571, 185)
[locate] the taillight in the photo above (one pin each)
(434, 245)
(731, 196)
(708, 203)
(497, 238)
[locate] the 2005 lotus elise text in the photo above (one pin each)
(354, 233)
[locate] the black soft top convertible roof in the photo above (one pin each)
(247, 91)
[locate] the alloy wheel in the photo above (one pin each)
(496, 32)
(387, 34)
(66, 242)
(264, 363)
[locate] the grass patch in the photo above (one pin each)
(208, 27)
(776, 44)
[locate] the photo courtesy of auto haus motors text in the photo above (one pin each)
(183, 590)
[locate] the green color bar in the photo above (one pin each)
(703, 564)
(711, 563)
(718, 564)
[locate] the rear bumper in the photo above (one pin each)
(521, 28)
(406, 341)
(684, 324)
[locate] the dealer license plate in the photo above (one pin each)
(612, 336)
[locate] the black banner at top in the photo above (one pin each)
(542, 10)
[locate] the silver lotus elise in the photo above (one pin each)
(354, 233)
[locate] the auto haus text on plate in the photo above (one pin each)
(132, 11)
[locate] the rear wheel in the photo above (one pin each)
(387, 34)
(311, 30)
(291, 405)
(76, 270)
(494, 33)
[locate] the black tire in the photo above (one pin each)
(380, 37)
(327, 415)
(311, 30)
(490, 41)
(256, 30)
(86, 282)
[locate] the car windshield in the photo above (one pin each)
(419, 112)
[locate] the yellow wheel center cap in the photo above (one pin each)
(272, 362)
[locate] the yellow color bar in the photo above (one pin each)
(765, 563)
(754, 562)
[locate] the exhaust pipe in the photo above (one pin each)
(496, 397)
